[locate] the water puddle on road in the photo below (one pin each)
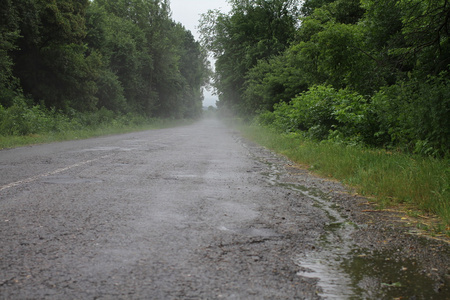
(377, 276)
(345, 272)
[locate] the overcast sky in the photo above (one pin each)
(188, 12)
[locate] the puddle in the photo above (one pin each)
(325, 264)
(335, 245)
(376, 276)
(344, 272)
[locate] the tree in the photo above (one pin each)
(9, 33)
(194, 68)
(276, 80)
(374, 72)
(426, 29)
(156, 61)
(50, 59)
(254, 30)
(82, 55)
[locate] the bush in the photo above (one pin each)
(410, 115)
(21, 119)
(24, 119)
(414, 115)
(323, 113)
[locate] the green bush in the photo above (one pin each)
(21, 119)
(315, 111)
(410, 115)
(323, 112)
(24, 119)
(414, 115)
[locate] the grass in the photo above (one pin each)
(12, 141)
(391, 178)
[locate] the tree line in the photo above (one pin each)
(81, 56)
(363, 72)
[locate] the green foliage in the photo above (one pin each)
(360, 72)
(411, 115)
(110, 92)
(255, 30)
(309, 6)
(278, 79)
(50, 57)
(159, 67)
(85, 57)
(323, 113)
(426, 31)
(389, 177)
(123, 47)
(328, 52)
(9, 34)
(414, 114)
(23, 118)
(341, 61)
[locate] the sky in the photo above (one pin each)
(188, 12)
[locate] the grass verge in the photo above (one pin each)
(390, 178)
(12, 141)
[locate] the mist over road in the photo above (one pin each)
(192, 212)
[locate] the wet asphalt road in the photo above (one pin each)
(181, 213)
(197, 212)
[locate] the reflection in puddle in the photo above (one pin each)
(376, 276)
(334, 283)
(325, 264)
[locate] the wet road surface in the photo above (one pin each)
(193, 212)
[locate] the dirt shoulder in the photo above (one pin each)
(384, 240)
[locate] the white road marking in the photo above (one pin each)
(34, 178)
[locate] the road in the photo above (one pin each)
(192, 212)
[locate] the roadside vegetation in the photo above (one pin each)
(419, 184)
(22, 125)
(359, 90)
(72, 68)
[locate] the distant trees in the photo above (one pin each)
(254, 30)
(81, 55)
(367, 72)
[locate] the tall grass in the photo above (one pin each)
(12, 141)
(390, 178)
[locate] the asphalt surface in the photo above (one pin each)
(193, 212)
(163, 214)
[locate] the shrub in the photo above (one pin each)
(414, 115)
(21, 119)
(324, 112)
